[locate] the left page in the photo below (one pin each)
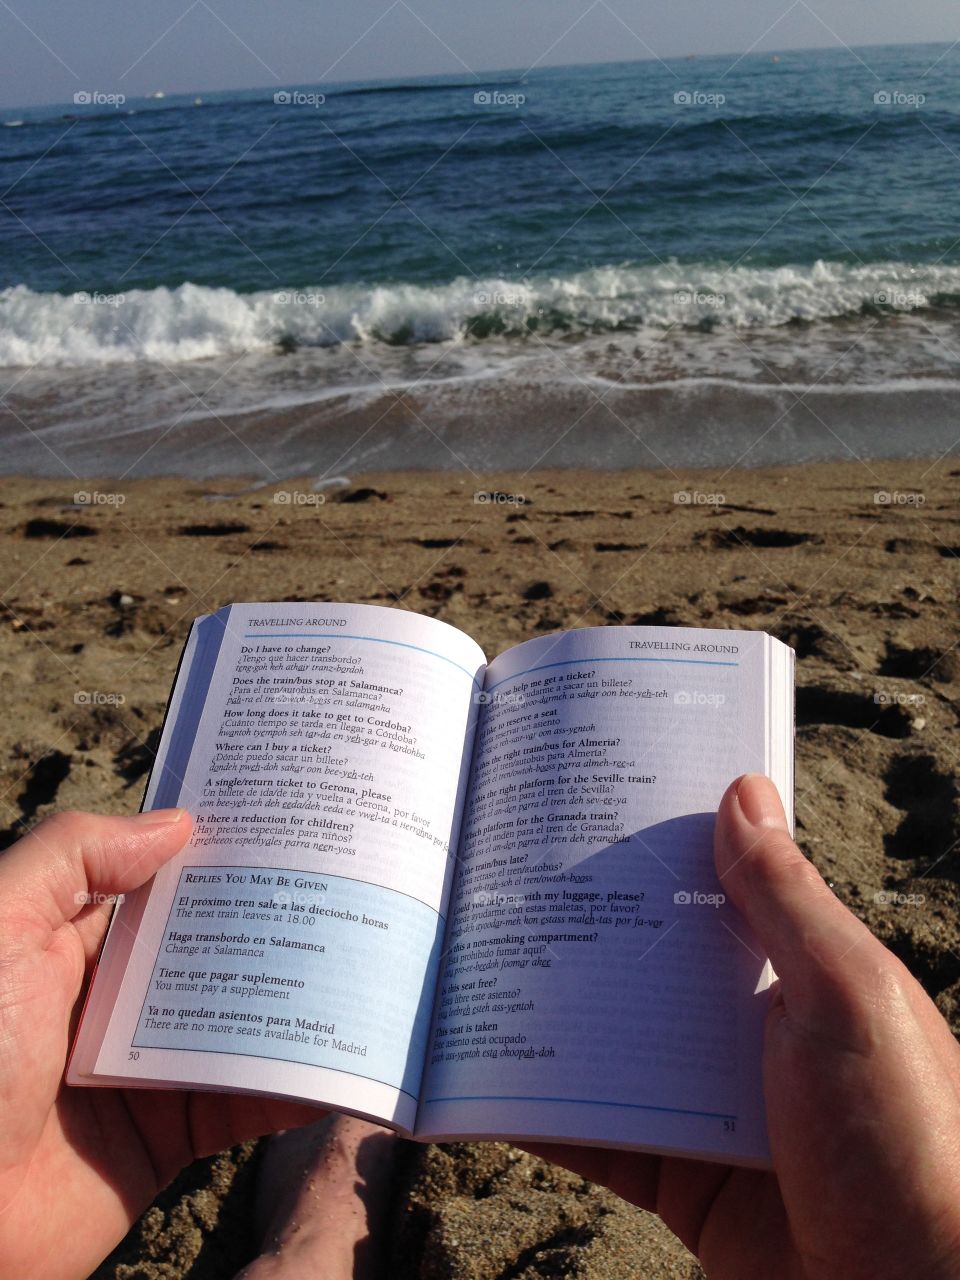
(292, 948)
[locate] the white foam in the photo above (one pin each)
(195, 322)
(894, 386)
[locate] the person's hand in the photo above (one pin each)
(862, 1085)
(78, 1166)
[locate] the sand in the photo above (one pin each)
(855, 565)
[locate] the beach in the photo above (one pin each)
(667, 342)
(852, 563)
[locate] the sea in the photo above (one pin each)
(727, 261)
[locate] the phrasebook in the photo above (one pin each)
(463, 898)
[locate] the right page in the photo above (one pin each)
(598, 987)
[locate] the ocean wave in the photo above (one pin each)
(194, 322)
(366, 90)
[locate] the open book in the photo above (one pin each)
(464, 900)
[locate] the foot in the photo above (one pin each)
(322, 1200)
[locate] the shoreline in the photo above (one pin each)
(198, 421)
(400, 440)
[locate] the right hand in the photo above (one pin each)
(862, 1087)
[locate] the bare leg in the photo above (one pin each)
(322, 1202)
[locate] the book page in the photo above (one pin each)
(323, 751)
(598, 987)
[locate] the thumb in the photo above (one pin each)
(74, 859)
(818, 948)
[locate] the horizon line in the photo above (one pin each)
(477, 76)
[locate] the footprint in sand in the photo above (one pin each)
(40, 787)
(221, 530)
(920, 663)
(852, 710)
(40, 527)
(928, 800)
(730, 539)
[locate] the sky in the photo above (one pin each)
(49, 50)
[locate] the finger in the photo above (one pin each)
(829, 963)
(73, 860)
(91, 925)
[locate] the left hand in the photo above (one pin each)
(78, 1166)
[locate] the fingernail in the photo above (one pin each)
(760, 801)
(159, 817)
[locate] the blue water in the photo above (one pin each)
(383, 184)
(712, 201)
